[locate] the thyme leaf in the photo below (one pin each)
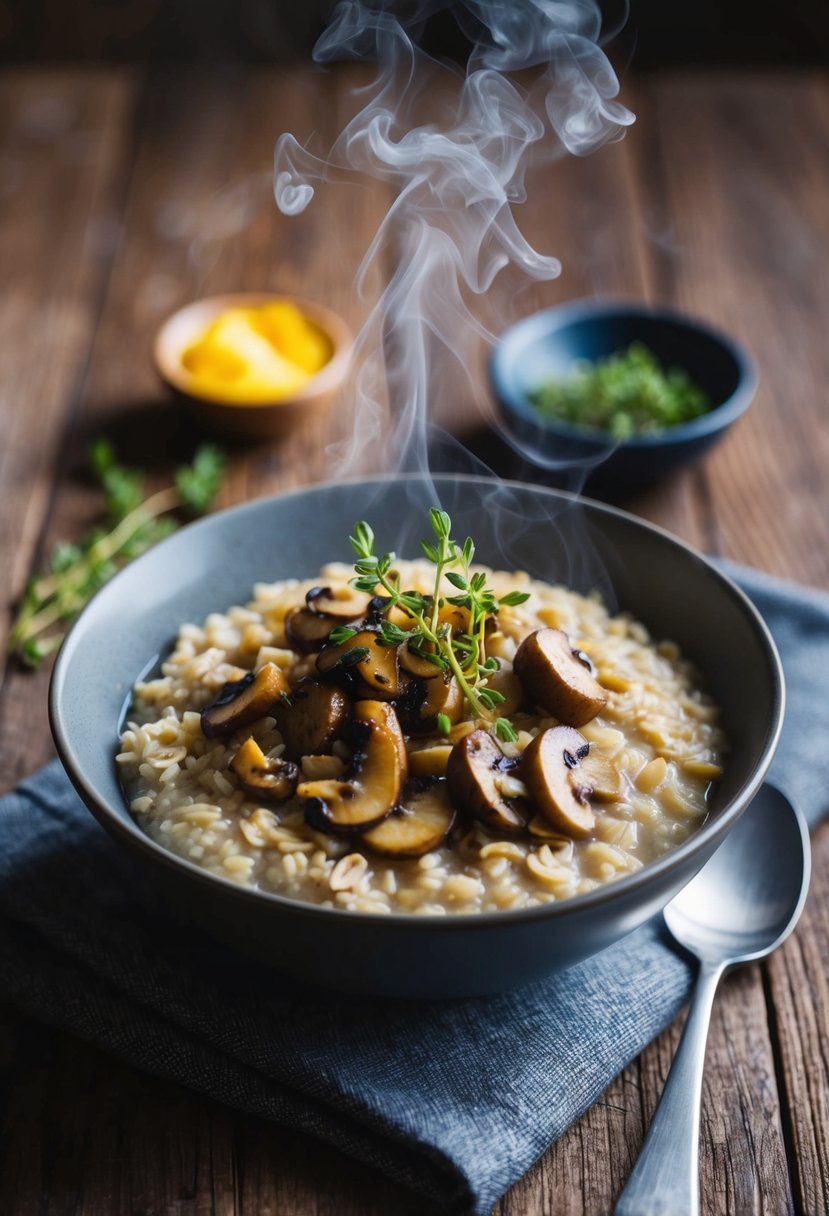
(132, 525)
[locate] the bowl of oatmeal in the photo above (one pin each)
(460, 774)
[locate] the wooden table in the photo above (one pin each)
(125, 195)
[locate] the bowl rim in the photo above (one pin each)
(128, 830)
(715, 419)
(325, 318)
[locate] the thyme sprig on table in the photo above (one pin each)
(133, 524)
(462, 652)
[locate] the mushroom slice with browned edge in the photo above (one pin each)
(307, 631)
(423, 701)
(476, 771)
(557, 784)
(418, 662)
(421, 824)
(374, 780)
(270, 780)
(558, 678)
(370, 665)
(243, 701)
(344, 603)
(312, 719)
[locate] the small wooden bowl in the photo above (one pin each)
(263, 419)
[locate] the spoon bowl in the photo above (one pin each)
(742, 905)
(747, 899)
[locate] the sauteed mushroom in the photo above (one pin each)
(270, 780)
(371, 666)
(416, 665)
(307, 631)
(551, 770)
(344, 603)
(243, 701)
(557, 678)
(418, 827)
(442, 696)
(313, 719)
(374, 780)
(475, 771)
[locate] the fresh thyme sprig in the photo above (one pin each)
(134, 524)
(462, 652)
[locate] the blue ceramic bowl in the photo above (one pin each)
(214, 563)
(548, 343)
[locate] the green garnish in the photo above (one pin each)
(625, 394)
(463, 653)
(133, 525)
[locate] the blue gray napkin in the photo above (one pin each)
(454, 1099)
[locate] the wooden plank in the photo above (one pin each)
(747, 186)
(199, 219)
(82, 1132)
(65, 144)
(798, 990)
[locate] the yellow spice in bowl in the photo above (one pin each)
(255, 355)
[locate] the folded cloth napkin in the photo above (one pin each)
(454, 1099)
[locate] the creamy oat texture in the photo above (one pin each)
(659, 728)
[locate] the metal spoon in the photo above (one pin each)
(743, 903)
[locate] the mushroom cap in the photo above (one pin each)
(242, 702)
(307, 630)
(312, 719)
(342, 603)
(552, 773)
(557, 678)
(370, 666)
(475, 768)
(269, 780)
(374, 781)
(422, 824)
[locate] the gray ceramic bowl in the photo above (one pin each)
(214, 564)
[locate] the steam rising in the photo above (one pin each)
(455, 146)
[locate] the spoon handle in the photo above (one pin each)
(665, 1179)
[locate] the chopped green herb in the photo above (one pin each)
(628, 393)
(340, 634)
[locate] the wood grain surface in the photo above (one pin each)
(125, 194)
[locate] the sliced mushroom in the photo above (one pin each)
(374, 780)
(307, 631)
(312, 719)
(475, 770)
(344, 603)
(417, 827)
(554, 675)
(551, 771)
(415, 663)
(423, 700)
(458, 619)
(243, 701)
(371, 666)
(379, 609)
(603, 776)
(269, 780)
(442, 697)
